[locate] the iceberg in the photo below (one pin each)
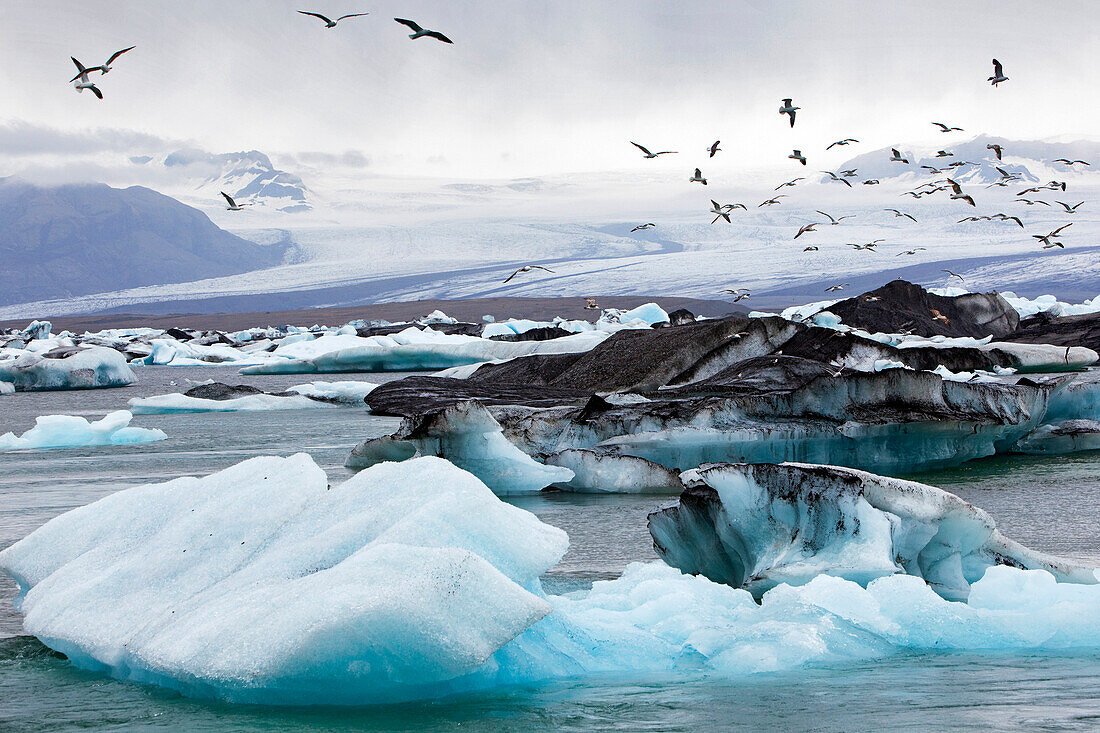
(67, 368)
(7, 388)
(263, 584)
(299, 397)
(72, 431)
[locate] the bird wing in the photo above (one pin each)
(831, 145)
(350, 15)
(845, 182)
(540, 267)
(79, 65)
(438, 36)
(792, 118)
(997, 71)
(316, 15)
(116, 54)
(95, 91)
(895, 152)
(412, 25)
(941, 126)
(698, 173)
(825, 215)
(1015, 219)
(643, 148)
(228, 198)
(514, 274)
(1055, 232)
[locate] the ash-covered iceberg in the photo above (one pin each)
(757, 526)
(218, 397)
(66, 368)
(73, 431)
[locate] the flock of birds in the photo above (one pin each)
(722, 212)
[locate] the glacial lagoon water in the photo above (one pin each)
(1052, 504)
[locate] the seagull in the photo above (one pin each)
(698, 177)
(1046, 238)
(806, 228)
(83, 84)
(738, 295)
(945, 128)
(896, 156)
(871, 182)
(1005, 174)
(869, 247)
(810, 249)
(649, 154)
(901, 214)
(910, 251)
(1069, 209)
(791, 182)
(1029, 202)
(590, 304)
(797, 155)
(650, 225)
(836, 288)
(850, 173)
(932, 169)
(958, 193)
(996, 150)
(1067, 161)
(329, 23)
(102, 68)
(998, 74)
(974, 218)
(772, 201)
(943, 154)
(845, 141)
(787, 109)
(1006, 217)
(527, 268)
(721, 212)
(937, 316)
(833, 221)
(731, 207)
(418, 32)
(835, 177)
(233, 205)
(714, 148)
(1029, 190)
(1055, 185)
(954, 274)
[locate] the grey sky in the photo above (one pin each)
(545, 87)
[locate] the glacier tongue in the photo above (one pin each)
(756, 526)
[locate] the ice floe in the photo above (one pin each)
(64, 368)
(73, 431)
(299, 397)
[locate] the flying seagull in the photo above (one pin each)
(937, 316)
(788, 109)
(898, 214)
(869, 247)
(720, 212)
(650, 225)
(791, 183)
(82, 83)
(698, 177)
(1069, 209)
(797, 155)
(528, 268)
(590, 304)
(871, 182)
(845, 141)
(1067, 161)
(1006, 217)
(943, 154)
(832, 220)
(810, 249)
(772, 201)
(835, 177)
(233, 205)
(946, 128)
(896, 156)
(954, 274)
(910, 251)
(714, 148)
(958, 193)
(996, 150)
(418, 32)
(329, 23)
(738, 295)
(1029, 202)
(850, 173)
(1046, 238)
(102, 68)
(806, 228)
(998, 74)
(836, 288)
(649, 154)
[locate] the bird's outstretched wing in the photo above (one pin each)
(116, 54)
(228, 198)
(1055, 232)
(514, 274)
(997, 70)
(351, 15)
(643, 148)
(540, 267)
(415, 28)
(80, 66)
(96, 92)
(438, 36)
(316, 15)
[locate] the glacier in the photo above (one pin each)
(73, 431)
(264, 584)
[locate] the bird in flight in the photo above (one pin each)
(869, 247)
(943, 154)
(1067, 161)
(1069, 209)
(806, 228)
(233, 205)
(81, 83)
(845, 141)
(811, 248)
(649, 154)
(871, 182)
(835, 177)
(791, 183)
(590, 304)
(738, 295)
(997, 150)
(958, 193)
(947, 128)
(998, 74)
(901, 214)
(896, 156)
(720, 211)
(789, 109)
(102, 68)
(1030, 202)
(1047, 239)
(797, 155)
(937, 316)
(836, 288)
(527, 268)
(418, 32)
(329, 23)
(850, 173)
(954, 274)
(714, 148)
(650, 225)
(772, 201)
(1006, 217)
(910, 251)
(698, 177)
(833, 221)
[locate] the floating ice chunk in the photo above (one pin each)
(1069, 436)
(81, 368)
(468, 436)
(1050, 305)
(804, 312)
(756, 526)
(597, 472)
(37, 330)
(262, 583)
(348, 392)
(71, 431)
(651, 313)
(825, 319)
(167, 404)
(7, 388)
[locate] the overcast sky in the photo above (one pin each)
(538, 88)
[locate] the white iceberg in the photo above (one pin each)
(81, 368)
(308, 396)
(73, 431)
(7, 388)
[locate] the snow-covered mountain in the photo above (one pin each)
(74, 240)
(248, 176)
